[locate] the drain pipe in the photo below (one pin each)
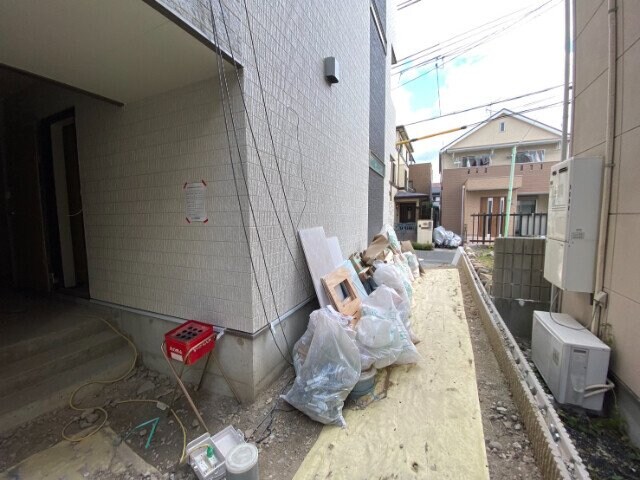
(600, 297)
(567, 58)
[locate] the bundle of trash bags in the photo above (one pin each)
(327, 364)
(334, 351)
(446, 238)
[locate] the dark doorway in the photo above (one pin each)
(407, 212)
(64, 223)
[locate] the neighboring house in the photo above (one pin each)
(435, 193)
(475, 171)
(619, 322)
(411, 188)
(381, 113)
(135, 101)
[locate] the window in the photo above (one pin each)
(530, 156)
(502, 127)
(476, 160)
(393, 172)
(406, 180)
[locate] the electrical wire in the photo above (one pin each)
(100, 408)
(477, 107)
(237, 190)
(264, 105)
(449, 47)
(457, 52)
(303, 278)
(403, 61)
(407, 3)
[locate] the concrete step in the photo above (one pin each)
(69, 330)
(61, 356)
(25, 404)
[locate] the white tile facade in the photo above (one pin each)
(135, 160)
(320, 131)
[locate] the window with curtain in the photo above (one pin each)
(530, 156)
(476, 160)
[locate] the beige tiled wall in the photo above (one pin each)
(623, 257)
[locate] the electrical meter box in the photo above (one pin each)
(572, 223)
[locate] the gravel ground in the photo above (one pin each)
(508, 448)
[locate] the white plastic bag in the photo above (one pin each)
(382, 337)
(327, 363)
(414, 263)
(401, 261)
(390, 233)
(439, 235)
(392, 277)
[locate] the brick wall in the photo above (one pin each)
(535, 179)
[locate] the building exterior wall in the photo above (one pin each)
(515, 131)
(534, 177)
(622, 316)
(420, 176)
(315, 127)
(377, 117)
(133, 163)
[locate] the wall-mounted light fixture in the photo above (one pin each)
(331, 70)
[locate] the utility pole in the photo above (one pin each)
(514, 150)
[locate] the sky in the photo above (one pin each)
(527, 56)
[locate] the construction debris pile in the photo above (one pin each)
(363, 324)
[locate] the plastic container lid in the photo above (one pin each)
(242, 458)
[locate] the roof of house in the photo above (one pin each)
(401, 195)
(502, 113)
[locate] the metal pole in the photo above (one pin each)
(510, 194)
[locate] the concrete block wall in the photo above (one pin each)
(519, 286)
(518, 269)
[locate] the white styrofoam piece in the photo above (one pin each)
(319, 259)
(336, 251)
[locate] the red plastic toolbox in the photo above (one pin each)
(190, 341)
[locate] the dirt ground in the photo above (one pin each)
(284, 435)
(508, 448)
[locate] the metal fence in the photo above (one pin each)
(485, 227)
(406, 231)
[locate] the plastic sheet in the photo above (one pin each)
(327, 364)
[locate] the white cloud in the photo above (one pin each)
(528, 57)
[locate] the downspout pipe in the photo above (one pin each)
(567, 61)
(600, 304)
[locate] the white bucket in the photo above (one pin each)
(242, 462)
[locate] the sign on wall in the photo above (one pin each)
(195, 195)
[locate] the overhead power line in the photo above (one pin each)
(407, 3)
(454, 51)
(495, 102)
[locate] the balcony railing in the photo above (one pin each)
(485, 227)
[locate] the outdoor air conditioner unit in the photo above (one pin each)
(572, 361)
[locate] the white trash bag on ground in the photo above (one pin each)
(414, 263)
(401, 262)
(382, 337)
(327, 363)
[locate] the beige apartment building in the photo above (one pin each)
(607, 34)
(475, 171)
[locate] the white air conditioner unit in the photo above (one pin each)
(572, 361)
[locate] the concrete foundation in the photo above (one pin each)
(250, 362)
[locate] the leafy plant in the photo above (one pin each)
(422, 246)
